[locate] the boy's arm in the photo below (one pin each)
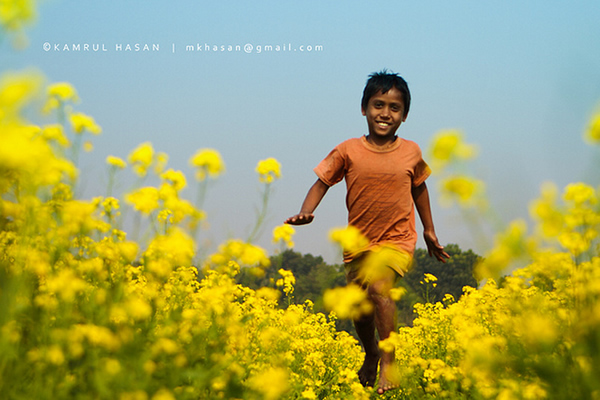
(420, 196)
(312, 200)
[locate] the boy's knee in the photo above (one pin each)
(381, 287)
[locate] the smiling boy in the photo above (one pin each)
(385, 179)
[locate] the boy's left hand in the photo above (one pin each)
(434, 248)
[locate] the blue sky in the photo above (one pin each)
(519, 78)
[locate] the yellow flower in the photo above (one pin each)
(55, 132)
(176, 247)
(380, 259)
(16, 90)
(81, 122)
(287, 281)
(55, 355)
(110, 204)
(138, 309)
(141, 158)
(246, 254)
(464, 189)
(116, 162)
(347, 302)
(592, 134)
(349, 238)
(447, 146)
(208, 163)
(88, 146)
(175, 178)
(161, 162)
(309, 394)
(284, 233)
(547, 212)
(15, 14)
(163, 394)
(63, 91)
(58, 94)
(579, 193)
(575, 242)
(268, 170)
(397, 293)
(271, 382)
(144, 200)
(508, 247)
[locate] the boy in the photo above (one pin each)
(385, 178)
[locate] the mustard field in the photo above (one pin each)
(86, 312)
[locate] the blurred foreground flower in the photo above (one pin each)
(14, 16)
(16, 91)
(349, 238)
(272, 383)
(347, 302)
(208, 163)
(448, 146)
(144, 200)
(116, 162)
(510, 246)
(592, 134)
(141, 158)
(464, 190)
(58, 94)
(268, 170)
(174, 178)
(82, 122)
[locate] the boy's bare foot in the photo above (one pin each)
(387, 375)
(367, 374)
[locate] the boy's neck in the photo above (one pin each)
(381, 142)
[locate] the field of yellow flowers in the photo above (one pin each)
(88, 313)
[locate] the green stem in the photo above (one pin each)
(260, 220)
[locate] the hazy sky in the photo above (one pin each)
(521, 79)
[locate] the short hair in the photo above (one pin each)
(382, 82)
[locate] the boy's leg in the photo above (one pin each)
(365, 329)
(385, 322)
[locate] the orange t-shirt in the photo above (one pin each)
(378, 183)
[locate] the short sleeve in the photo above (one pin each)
(421, 170)
(333, 167)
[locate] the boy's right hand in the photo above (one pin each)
(300, 219)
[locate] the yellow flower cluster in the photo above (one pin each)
(208, 163)
(575, 224)
(446, 150)
(284, 233)
(268, 170)
(116, 162)
(87, 311)
(287, 281)
(448, 146)
(349, 238)
(15, 15)
(58, 95)
(349, 302)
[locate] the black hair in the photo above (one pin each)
(382, 82)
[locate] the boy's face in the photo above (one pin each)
(385, 113)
